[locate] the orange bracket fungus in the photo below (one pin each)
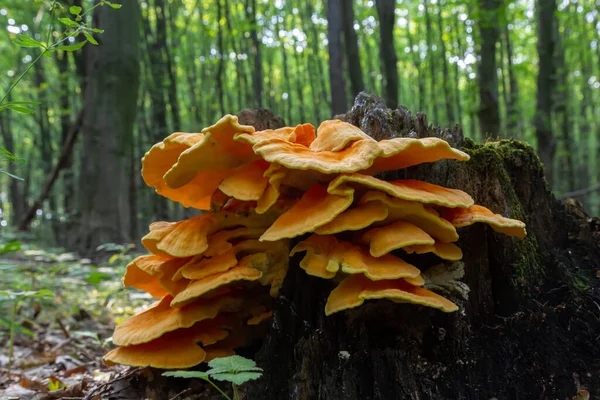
(216, 273)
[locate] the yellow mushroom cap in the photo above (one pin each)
(319, 255)
(336, 135)
(200, 287)
(476, 213)
(260, 318)
(153, 274)
(190, 237)
(162, 156)
(447, 251)
(395, 236)
(217, 150)
(406, 189)
(315, 208)
(401, 153)
(355, 218)
(247, 182)
(357, 260)
(303, 134)
(414, 212)
(161, 318)
(173, 350)
(355, 289)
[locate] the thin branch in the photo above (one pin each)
(579, 193)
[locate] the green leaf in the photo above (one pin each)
(73, 47)
(11, 175)
(187, 374)
(90, 38)
(23, 110)
(115, 6)
(69, 22)
(237, 378)
(26, 41)
(14, 245)
(232, 364)
(95, 30)
(75, 10)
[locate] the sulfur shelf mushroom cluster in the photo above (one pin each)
(217, 273)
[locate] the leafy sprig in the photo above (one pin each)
(234, 369)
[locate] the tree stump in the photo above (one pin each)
(530, 328)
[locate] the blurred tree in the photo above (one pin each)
(386, 12)
(110, 101)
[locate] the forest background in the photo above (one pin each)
(525, 69)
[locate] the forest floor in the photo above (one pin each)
(57, 314)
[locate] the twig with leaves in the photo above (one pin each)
(234, 369)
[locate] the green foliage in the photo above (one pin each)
(7, 156)
(234, 369)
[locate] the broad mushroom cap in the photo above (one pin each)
(395, 236)
(415, 213)
(476, 213)
(153, 274)
(161, 318)
(318, 260)
(405, 189)
(336, 135)
(401, 153)
(173, 350)
(217, 150)
(247, 183)
(162, 156)
(355, 218)
(446, 251)
(355, 289)
(315, 208)
(201, 287)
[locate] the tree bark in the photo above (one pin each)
(449, 101)
(110, 102)
(514, 127)
(351, 49)
(386, 12)
(433, 95)
(336, 75)
(546, 81)
(489, 112)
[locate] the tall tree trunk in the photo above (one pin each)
(221, 62)
(433, 95)
(110, 104)
(336, 75)
(546, 45)
(257, 82)
(451, 119)
(317, 59)
(417, 65)
(68, 177)
(165, 15)
(351, 44)
(14, 187)
(489, 112)
(514, 126)
(386, 12)
(457, 95)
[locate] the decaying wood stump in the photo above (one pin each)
(529, 329)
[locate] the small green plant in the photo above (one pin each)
(234, 369)
(16, 298)
(7, 156)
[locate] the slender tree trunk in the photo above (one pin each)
(14, 186)
(258, 76)
(503, 85)
(110, 104)
(351, 45)
(433, 95)
(386, 12)
(451, 119)
(336, 75)
(457, 95)
(585, 124)
(170, 66)
(299, 86)
(221, 62)
(317, 59)
(514, 125)
(489, 113)
(546, 45)
(288, 103)
(417, 65)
